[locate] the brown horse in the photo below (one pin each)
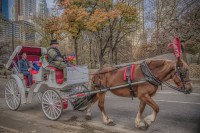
(161, 70)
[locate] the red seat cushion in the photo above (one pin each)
(33, 72)
(59, 74)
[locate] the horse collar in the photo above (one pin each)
(149, 76)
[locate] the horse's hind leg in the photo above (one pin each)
(89, 108)
(138, 120)
(106, 119)
(150, 118)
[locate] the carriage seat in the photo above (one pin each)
(59, 74)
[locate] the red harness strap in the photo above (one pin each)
(131, 72)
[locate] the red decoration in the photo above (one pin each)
(176, 45)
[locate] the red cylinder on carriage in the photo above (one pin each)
(64, 103)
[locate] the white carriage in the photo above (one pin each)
(54, 93)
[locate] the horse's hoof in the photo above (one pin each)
(146, 125)
(111, 123)
(142, 128)
(88, 117)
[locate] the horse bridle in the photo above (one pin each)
(149, 76)
(182, 73)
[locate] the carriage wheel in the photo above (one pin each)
(52, 104)
(79, 103)
(12, 94)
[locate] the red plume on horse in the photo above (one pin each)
(153, 72)
(176, 45)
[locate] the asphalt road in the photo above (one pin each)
(179, 113)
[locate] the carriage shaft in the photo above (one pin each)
(88, 93)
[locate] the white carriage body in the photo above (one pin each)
(77, 75)
(46, 77)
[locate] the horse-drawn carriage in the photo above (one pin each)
(48, 84)
(55, 93)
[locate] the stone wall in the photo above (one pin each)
(195, 71)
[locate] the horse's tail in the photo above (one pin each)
(94, 81)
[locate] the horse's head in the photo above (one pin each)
(181, 77)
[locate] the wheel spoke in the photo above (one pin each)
(47, 97)
(46, 106)
(8, 95)
(8, 89)
(54, 112)
(45, 102)
(15, 102)
(51, 112)
(56, 102)
(48, 109)
(57, 110)
(9, 85)
(18, 99)
(10, 101)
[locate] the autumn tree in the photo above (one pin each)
(40, 29)
(109, 22)
(189, 29)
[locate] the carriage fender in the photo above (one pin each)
(21, 88)
(41, 87)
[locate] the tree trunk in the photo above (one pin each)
(90, 56)
(101, 60)
(116, 56)
(198, 59)
(76, 49)
(157, 21)
(111, 46)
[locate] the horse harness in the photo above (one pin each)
(149, 75)
(128, 76)
(155, 81)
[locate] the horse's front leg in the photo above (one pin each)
(89, 108)
(106, 119)
(138, 120)
(150, 118)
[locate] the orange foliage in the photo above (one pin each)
(128, 12)
(74, 19)
(98, 20)
(78, 15)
